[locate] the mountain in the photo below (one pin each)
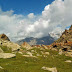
(64, 43)
(37, 41)
(66, 36)
(26, 45)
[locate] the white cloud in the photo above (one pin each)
(55, 17)
(31, 15)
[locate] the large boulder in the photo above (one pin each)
(68, 61)
(54, 69)
(26, 45)
(4, 37)
(9, 44)
(7, 55)
(68, 54)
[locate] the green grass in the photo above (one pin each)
(24, 64)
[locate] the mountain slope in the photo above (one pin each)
(66, 36)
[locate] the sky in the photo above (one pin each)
(24, 6)
(34, 18)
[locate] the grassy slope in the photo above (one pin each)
(6, 49)
(23, 64)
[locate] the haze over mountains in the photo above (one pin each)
(37, 41)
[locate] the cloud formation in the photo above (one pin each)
(54, 18)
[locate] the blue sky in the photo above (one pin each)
(24, 6)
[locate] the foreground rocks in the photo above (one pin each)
(50, 69)
(68, 54)
(1, 67)
(26, 46)
(9, 44)
(68, 61)
(7, 55)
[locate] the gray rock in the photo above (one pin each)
(13, 46)
(60, 52)
(68, 54)
(7, 55)
(68, 61)
(1, 67)
(50, 69)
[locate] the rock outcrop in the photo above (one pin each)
(4, 37)
(26, 45)
(9, 44)
(64, 43)
(7, 55)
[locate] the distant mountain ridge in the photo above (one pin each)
(47, 40)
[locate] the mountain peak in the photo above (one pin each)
(4, 37)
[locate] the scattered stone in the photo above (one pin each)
(60, 52)
(29, 53)
(69, 50)
(20, 52)
(50, 69)
(38, 54)
(68, 54)
(29, 56)
(68, 61)
(1, 67)
(46, 53)
(32, 51)
(26, 62)
(26, 45)
(7, 55)
(54, 49)
(45, 47)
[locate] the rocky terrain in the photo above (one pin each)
(56, 57)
